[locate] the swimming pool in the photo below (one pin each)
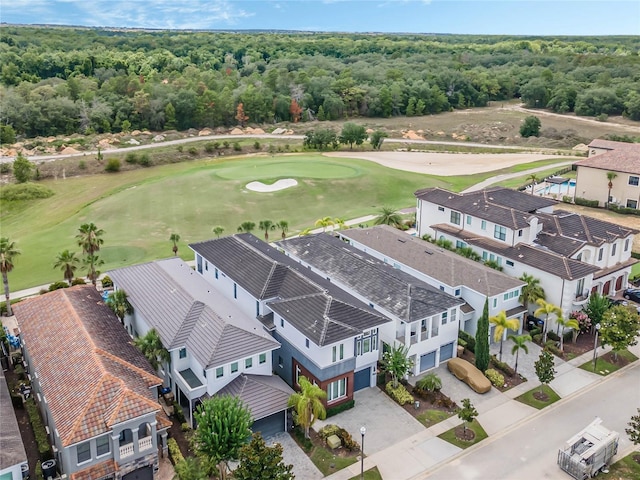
(563, 188)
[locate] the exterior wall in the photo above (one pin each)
(324, 384)
(592, 184)
(13, 472)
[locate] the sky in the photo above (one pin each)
(508, 17)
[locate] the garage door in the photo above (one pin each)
(427, 361)
(270, 425)
(362, 379)
(144, 473)
(446, 352)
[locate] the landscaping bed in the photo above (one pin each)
(326, 459)
(608, 363)
(511, 379)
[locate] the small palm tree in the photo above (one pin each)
(519, 343)
(610, 177)
(305, 232)
(308, 404)
(8, 253)
(119, 303)
(92, 262)
(546, 309)
(90, 239)
(68, 263)
(217, 230)
(532, 291)
(397, 363)
(151, 347)
(266, 225)
(283, 226)
(175, 238)
(533, 179)
(503, 324)
(388, 216)
(565, 323)
(324, 222)
(247, 227)
(340, 223)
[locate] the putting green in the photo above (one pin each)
(303, 168)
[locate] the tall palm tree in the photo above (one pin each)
(8, 253)
(119, 303)
(519, 343)
(308, 404)
(546, 309)
(90, 239)
(565, 323)
(532, 291)
(610, 177)
(283, 225)
(175, 238)
(533, 179)
(388, 216)
(247, 227)
(503, 324)
(151, 347)
(217, 230)
(68, 263)
(266, 225)
(324, 222)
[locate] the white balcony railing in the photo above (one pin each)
(126, 450)
(145, 443)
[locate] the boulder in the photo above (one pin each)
(133, 141)
(236, 131)
(158, 138)
(278, 131)
(205, 132)
(258, 131)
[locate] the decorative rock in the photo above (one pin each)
(133, 141)
(236, 131)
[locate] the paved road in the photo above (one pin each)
(532, 446)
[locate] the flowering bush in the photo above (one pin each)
(583, 320)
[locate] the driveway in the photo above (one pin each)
(292, 454)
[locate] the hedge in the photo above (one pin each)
(586, 203)
(400, 394)
(44, 449)
(470, 341)
(174, 451)
(331, 411)
(496, 379)
(624, 210)
(502, 366)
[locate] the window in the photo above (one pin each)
(337, 389)
(613, 249)
(600, 252)
(500, 232)
(626, 245)
(183, 353)
(367, 342)
(457, 292)
(455, 217)
(634, 180)
(234, 367)
(306, 342)
(280, 362)
(483, 225)
(262, 358)
(282, 322)
(460, 244)
(444, 318)
(485, 256)
(519, 233)
(84, 452)
(219, 372)
(442, 288)
(440, 209)
(102, 445)
(469, 217)
(454, 314)
(506, 296)
(235, 290)
(580, 287)
(297, 375)
(216, 273)
(257, 308)
(632, 204)
(248, 363)
(495, 302)
(337, 352)
(509, 263)
(206, 265)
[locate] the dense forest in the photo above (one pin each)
(62, 80)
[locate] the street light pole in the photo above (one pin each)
(595, 347)
(363, 430)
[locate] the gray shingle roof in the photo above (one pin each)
(262, 395)
(444, 266)
(12, 450)
(188, 312)
(397, 292)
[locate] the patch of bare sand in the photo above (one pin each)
(446, 164)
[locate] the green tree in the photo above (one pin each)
(90, 239)
(596, 307)
(8, 254)
(192, 468)
(266, 226)
(353, 133)
(247, 227)
(258, 461)
(467, 413)
(324, 222)
(397, 363)
(340, 223)
(223, 428)
(431, 382)
(321, 139)
(634, 428)
(68, 263)
(283, 226)
(482, 339)
(170, 116)
(151, 347)
(119, 303)
(545, 370)
(217, 230)
(411, 107)
(7, 134)
(502, 324)
(377, 138)
(565, 323)
(519, 343)
(619, 328)
(610, 177)
(547, 309)
(307, 404)
(22, 168)
(532, 291)
(388, 216)
(175, 238)
(530, 127)
(535, 93)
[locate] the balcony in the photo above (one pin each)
(145, 443)
(580, 300)
(126, 450)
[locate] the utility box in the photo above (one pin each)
(587, 453)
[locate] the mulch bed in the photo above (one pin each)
(584, 344)
(467, 435)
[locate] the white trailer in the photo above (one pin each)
(587, 453)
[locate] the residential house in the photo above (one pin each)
(425, 319)
(13, 456)
(326, 334)
(620, 158)
(572, 255)
(445, 270)
(96, 392)
(215, 347)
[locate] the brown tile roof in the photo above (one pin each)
(89, 371)
(610, 144)
(621, 157)
(96, 472)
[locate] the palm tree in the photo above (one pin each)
(283, 225)
(532, 291)
(388, 216)
(519, 343)
(546, 309)
(91, 262)
(217, 230)
(565, 323)
(89, 238)
(8, 253)
(266, 225)
(305, 232)
(397, 363)
(68, 263)
(610, 177)
(340, 223)
(151, 347)
(119, 303)
(503, 323)
(247, 227)
(308, 404)
(324, 222)
(175, 238)
(533, 179)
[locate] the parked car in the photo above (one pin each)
(469, 374)
(619, 301)
(632, 294)
(534, 322)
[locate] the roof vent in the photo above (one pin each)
(402, 240)
(428, 252)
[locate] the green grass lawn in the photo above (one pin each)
(625, 468)
(450, 435)
(329, 463)
(371, 474)
(528, 398)
(603, 367)
(431, 417)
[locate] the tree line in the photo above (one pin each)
(61, 80)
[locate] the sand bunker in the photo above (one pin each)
(279, 185)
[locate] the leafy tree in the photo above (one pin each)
(119, 303)
(596, 101)
(388, 216)
(610, 177)
(151, 346)
(397, 363)
(8, 254)
(261, 462)
(90, 239)
(175, 238)
(535, 93)
(192, 468)
(353, 133)
(217, 230)
(7, 134)
(634, 428)
(596, 307)
(547, 309)
(223, 428)
(265, 226)
(377, 138)
(519, 343)
(247, 227)
(619, 328)
(532, 291)
(467, 413)
(482, 339)
(324, 222)
(283, 226)
(22, 168)
(68, 263)
(565, 323)
(502, 324)
(545, 370)
(321, 139)
(308, 404)
(631, 107)
(530, 127)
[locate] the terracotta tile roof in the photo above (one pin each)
(621, 157)
(96, 472)
(89, 371)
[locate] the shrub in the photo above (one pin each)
(344, 436)
(193, 151)
(209, 147)
(25, 191)
(180, 148)
(462, 343)
(305, 442)
(603, 117)
(551, 346)
(5, 168)
(82, 165)
(623, 210)
(44, 449)
(400, 394)
(216, 145)
(178, 413)
(534, 331)
(145, 161)
(185, 427)
(57, 286)
(537, 338)
(225, 144)
(78, 281)
(256, 145)
(113, 165)
(237, 147)
(530, 127)
(175, 455)
(131, 157)
(107, 282)
(471, 342)
(502, 366)
(496, 379)
(586, 203)
(567, 199)
(553, 336)
(331, 411)
(429, 383)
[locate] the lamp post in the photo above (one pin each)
(363, 430)
(595, 347)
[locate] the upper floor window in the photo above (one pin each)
(102, 445)
(469, 217)
(613, 249)
(337, 352)
(634, 180)
(216, 273)
(219, 372)
(626, 245)
(234, 367)
(183, 353)
(444, 318)
(367, 342)
(84, 452)
(235, 290)
(455, 217)
(206, 265)
(457, 292)
(440, 209)
(248, 363)
(520, 232)
(483, 225)
(509, 263)
(600, 253)
(262, 358)
(500, 232)
(306, 342)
